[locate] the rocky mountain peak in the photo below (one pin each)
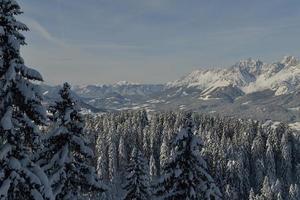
(290, 61)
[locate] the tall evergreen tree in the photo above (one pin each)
(270, 162)
(137, 184)
(186, 175)
(164, 152)
(252, 195)
(286, 160)
(266, 192)
(257, 149)
(67, 156)
(112, 153)
(123, 158)
(277, 188)
(294, 192)
(103, 157)
(152, 168)
(21, 112)
(279, 196)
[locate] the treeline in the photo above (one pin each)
(247, 159)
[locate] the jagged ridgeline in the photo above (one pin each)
(247, 159)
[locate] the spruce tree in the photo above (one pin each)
(153, 169)
(270, 162)
(294, 192)
(286, 160)
(21, 112)
(185, 175)
(67, 156)
(279, 196)
(164, 152)
(137, 180)
(266, 192)
(103, 157)
(252, 195)
(122, 155)
(277, 188)
(113, 155)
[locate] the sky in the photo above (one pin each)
(153, 41)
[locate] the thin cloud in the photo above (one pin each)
(38, 28)
(35, 26)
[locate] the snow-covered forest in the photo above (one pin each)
(247, 159)
(54, 152)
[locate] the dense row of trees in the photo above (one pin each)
(247, 159)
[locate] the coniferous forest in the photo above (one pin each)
(55, 152)
(236, 159)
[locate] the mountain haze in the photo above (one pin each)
(248, 89)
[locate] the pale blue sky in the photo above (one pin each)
(153, 41)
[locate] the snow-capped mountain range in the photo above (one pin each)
(247, 75)
(250, 88)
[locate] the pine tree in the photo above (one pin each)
(21, 112)
(103, 157)
(286, 162)
(112, 153)
(279, 196)
(186, 175)
(137, 184)
(294, 192)
(153, 168)
(266, 192)
(257, 149)
(164, 152)
(123, 158)
(277, 188)
(146, 142)
(252, 195)
(67, 156)
(270, 162)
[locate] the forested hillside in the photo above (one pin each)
(247, 159)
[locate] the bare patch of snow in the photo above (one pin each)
(246, 103)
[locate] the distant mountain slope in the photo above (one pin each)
(51, 95)
(248, 89)
(249, 76)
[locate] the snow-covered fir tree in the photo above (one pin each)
(185, 175)
(286, 162)
(270, 162)
(123, 158)
(21, 112)
(67, 157)
(137, 180)
(102, 157)
(266, 192)
(277, 188)
(252, 195)
(164, 152)
(294, 192)
(113, 158)
(279, 196)
(152, 168)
